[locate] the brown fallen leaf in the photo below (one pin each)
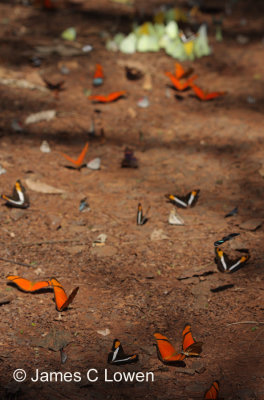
(251, 224)
(158, 234)
(4, 299)
(55, 340)
(188, 371)
(41, 187)
(147, 84)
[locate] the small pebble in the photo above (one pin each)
(64, 70)
(243, 22)
(2, 170)
(168, 93)
(36, 62)
(251, 100)
(241, 39)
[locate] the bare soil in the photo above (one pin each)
(131, 285)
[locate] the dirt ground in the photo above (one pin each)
(131, 285)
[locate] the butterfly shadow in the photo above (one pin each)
(75, 168)
(179, 97)
(176, 90)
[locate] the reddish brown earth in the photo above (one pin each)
(130, 285)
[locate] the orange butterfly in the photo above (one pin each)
(26, 285)
(180, 85)
(204, 96)
(167, 353)
(98, 75)
(109, 98)
(79, 162)
(180, 73)
(189, 346)
(212, 393)
(61, 299)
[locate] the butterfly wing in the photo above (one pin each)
(205, 96)
(192, 197)
(98, 71)
(177, 200)
(213, 95)
(117, 355)
(109, 98)
(237, 264)
(139, 214)
(199, 92)
(61, 299)
(115, 95)
(224, 264)
(82, 155)
(221, 260)
(98, 98)
(212, 393)
(26, 285)
(78, 163)
(180, 85)
(225, 239)
(167, 353)
(141, 219)
(98, 75)
(18, 198)
(184, 201)
(176, 82)
(129, 161)
(189, 345)
(180, 73)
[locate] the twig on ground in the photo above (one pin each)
(255, 339)
(135, 305)
(17, 262)
(47, 242)
(246, 322)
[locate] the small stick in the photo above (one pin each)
(16, 262)
(253, 341)
(135, 305)
(246, 322)
(47, 242)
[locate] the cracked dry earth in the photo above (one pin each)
(131, 285)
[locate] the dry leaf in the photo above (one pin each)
(42, 187)
(40, 116)
(104, 332)
(251, 224)
(147, 85)
(158, 234)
